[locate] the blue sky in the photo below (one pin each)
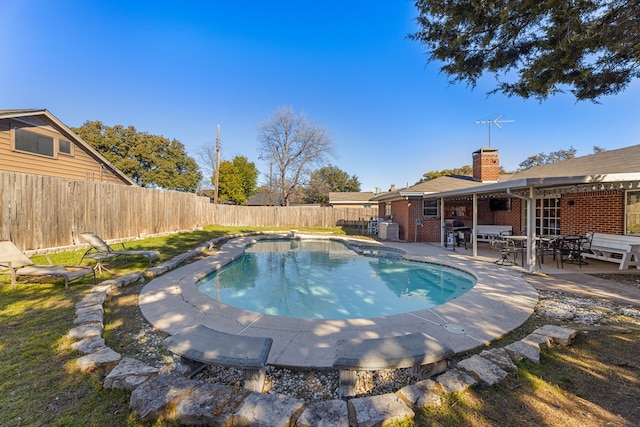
(178, 69)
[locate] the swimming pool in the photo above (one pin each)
(327, 279)
(500, 301)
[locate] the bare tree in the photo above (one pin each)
(293, 145)
(206, 155)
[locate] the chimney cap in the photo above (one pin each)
(485, 150)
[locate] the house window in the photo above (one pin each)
(64, 146)
(430, 208)
(548, 216)
(33, 142)
(387, 209)
(632, 213)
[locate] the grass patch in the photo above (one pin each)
(593, 382)
(39, 384)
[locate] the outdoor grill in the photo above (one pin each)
(455, 233)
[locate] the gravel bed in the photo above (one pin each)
(310, 385)
(314, 385)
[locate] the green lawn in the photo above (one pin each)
(39, 384)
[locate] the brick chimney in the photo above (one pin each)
(486, 164)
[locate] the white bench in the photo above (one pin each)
(624, 250)
(485, 232)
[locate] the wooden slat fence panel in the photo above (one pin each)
(39, 212)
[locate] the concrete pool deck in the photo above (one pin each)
(501, 301)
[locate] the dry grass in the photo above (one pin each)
(593, 382)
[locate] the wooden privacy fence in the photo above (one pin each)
(291, 216)
(46, 212)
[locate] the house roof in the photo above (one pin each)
(606, 162)
(437, 185)
(63, 129)
(609, 169)
(350, 196)
(264, 199)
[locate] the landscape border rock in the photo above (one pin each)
(155, 395)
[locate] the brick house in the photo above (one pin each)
(34, 141)
(598, 192)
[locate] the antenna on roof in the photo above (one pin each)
(495, 121)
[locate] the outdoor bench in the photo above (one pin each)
(485, 232)
(419, 351)
(624, 250)
(199, 346)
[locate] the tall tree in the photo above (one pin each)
(464, 170)
(588, 46)
(327, 179)
(149, 160)
(292, 145)
(543, 159)
(238, 179)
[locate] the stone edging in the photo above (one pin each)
(189, 401)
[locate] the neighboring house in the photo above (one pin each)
(34, 141)
(599, 192)
(345, 199)
(264, 198)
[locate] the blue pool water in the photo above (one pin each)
(325, 279)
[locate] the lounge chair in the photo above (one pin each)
(16, 263)
(101, 251)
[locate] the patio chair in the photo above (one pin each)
(100, 251)
(547, 245)
(508, 250)
(571, 249)
(16, 263)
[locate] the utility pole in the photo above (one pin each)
(270, 184)
(216, 174)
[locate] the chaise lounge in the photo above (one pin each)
(101, 251)
(16, 263)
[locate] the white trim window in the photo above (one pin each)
(64, 147)
(27, 141)
(430, 208)
(632, 213)
(548, 216)
(33, 142)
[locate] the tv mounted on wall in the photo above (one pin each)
(500, 204)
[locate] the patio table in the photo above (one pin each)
(571, 247)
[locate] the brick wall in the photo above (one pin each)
(513, 217)
(431, 227)
(400, 212)
(599, 211)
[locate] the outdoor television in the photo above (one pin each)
(502, 204)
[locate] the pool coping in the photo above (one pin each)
(500, 302)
